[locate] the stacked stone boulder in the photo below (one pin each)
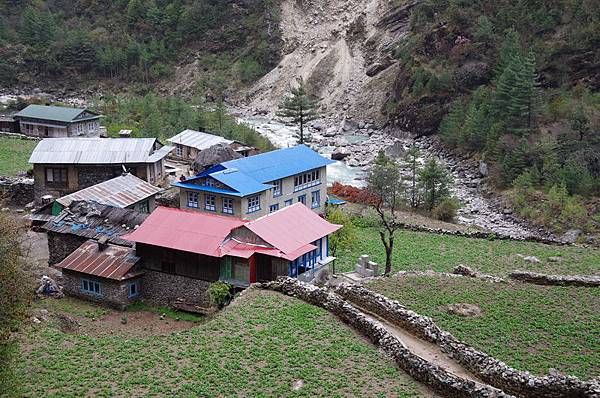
(420, 369)
(556, 280)
(487, 368)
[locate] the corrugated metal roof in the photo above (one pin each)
(122, 191)
(274, 165)
(198, 139)
(56, 113)
(113, 262)
(205, 188)
(291, 228)
(97, 151)
(186, 230)
(240, 181)
(93, 221)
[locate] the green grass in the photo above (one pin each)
(14, 155)
(529, 327)
(173, 314)
(257, 347)
(423, 251)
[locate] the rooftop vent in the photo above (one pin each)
(102, 243)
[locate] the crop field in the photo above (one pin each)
(422, 251)
(14, 155)
(529, 327)
(263, 345)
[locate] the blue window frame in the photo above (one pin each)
(253, 203)
(274, 207)
(288, 202)
(315, 199)
(192, 199)
(210, 203)
(91, 287)
(302, 199)
(227, 205)
(133, 289)
(277, 188)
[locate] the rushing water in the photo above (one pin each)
(283, 135)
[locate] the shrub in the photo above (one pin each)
(219, 293)
(446, 209)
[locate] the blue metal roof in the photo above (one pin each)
(274, 165)
(240, 181)
(205, 188)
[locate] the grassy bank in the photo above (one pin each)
(257, 347)
(423, 251)
(14, 155)
(529, 327)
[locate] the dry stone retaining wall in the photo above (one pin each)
(556, 280)
(489, 369)
(420, 369)
(16, 191)
(482, 235)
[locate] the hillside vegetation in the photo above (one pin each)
(515, 84)
(260, 346)
(85, 41)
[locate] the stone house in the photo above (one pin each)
(255, 186)
(65, 165)
(189, 143)
(82, 221)
(102, 272)
(183, 252)
(125, 192)
(57, 121)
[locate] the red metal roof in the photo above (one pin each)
(114, 262)
(186, 230)
(292, 228)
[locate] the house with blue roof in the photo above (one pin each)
(254, 186)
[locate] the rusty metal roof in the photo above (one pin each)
(111, 262)
(93, 221)
(122, 191)
(78, 150)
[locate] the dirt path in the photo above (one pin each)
(424, 349)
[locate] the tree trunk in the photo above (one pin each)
(301, 128)
(388, 256)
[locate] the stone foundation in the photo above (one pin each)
(417, 367)
(16, 191)
(62, 245)
(556, 280)
(487, 368)
(168, 290)
(113, 293)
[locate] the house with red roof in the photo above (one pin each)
(183, 252)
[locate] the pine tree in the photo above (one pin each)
(523, 97)
(451, 126)
(434, 180)
(411, 162)
(299, 107)
(580, 122)
(509, 50)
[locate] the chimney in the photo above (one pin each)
(102, 243)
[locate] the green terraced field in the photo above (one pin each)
(422, 251)
(14, 155)
(259, 346)
(527, 326)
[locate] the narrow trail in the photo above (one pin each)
(424, 349)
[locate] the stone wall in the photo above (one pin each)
(420, 369)
(481, 235)
(61, 245)
(487, 368)
(92, 175)
(16, 191)
(556, 280)
(167, 290)
(113, 293)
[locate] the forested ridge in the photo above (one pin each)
(514, 83)
(135, 41)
